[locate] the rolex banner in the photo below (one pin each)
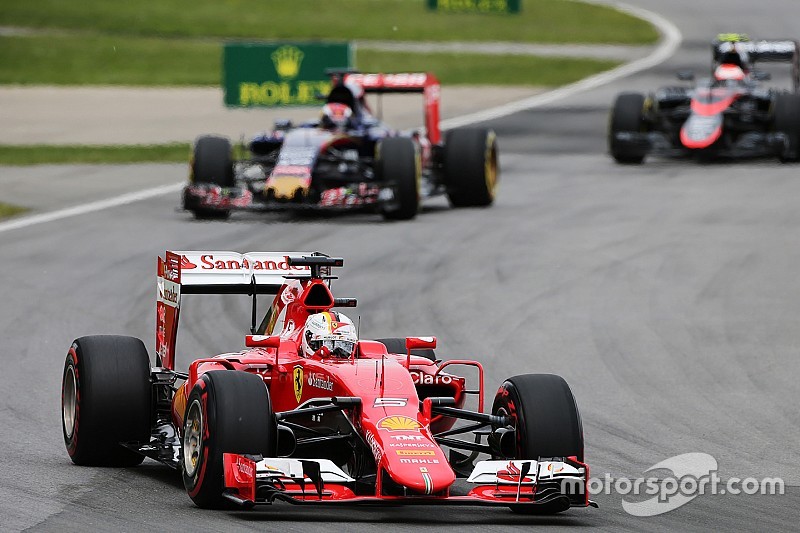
(280, 74)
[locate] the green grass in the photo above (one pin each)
(546, 21)
(73, 60)
(8, 210)
(58, 154)
(467, 69)
(107, 60)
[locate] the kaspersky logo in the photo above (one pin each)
(287, 61)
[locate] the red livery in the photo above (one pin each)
(309, 413)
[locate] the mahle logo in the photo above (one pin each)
(287, 61)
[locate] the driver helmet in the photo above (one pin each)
(335, 116)
(728, 71)
(358, 95)
(733, 54)
(330, 329)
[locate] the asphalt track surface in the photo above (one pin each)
(667, 296)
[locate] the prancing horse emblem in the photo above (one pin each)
(298, 382)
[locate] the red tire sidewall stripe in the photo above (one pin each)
(206, 433)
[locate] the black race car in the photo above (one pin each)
(730, 115)
(348, 159)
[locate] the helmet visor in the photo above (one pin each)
(338, 348)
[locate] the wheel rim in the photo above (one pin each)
(502, 411)
(192, 438)
(69, 403)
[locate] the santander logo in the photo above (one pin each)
(209, 262)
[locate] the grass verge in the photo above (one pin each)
(9, 210)
(546, 21)
(59, 154)
(104, 60)
(470, 69)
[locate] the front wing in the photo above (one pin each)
(213, 197)
(544, 486)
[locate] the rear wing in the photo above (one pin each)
(407, 82)
(775, 51)
(204, 272)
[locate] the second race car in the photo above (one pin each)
(730, 115)
(348, 159)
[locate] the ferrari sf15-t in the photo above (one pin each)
(387, 423)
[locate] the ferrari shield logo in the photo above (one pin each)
(298, 382)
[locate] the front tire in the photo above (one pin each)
(227, 411)
(471, 167)
(627, 116)
(212, 164)
(398, 163)
(105, 400)
(547, 422)
(786, 113)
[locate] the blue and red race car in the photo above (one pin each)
(348, 159)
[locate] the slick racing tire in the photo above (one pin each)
(786, 112)
(546, 419)
(627, 116)
(227, 411)
(399, 346)
(398, 163)
(470, 166)
(212, 164)
(105, 400)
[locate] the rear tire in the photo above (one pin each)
(786, 113)
(212, 164)
(105, 400)
(627, 116)
(470, 166)
(394, 345)
(398, 163)
(547, 421)
(227, 411)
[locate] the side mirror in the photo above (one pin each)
(413, 343)
(685, 75)
(760, 75)
(262, 341)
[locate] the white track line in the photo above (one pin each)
(100, 205)
(671, 39)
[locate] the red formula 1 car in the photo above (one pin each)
(310, 414)
(348, 159)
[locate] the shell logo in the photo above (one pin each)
(398, 423)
